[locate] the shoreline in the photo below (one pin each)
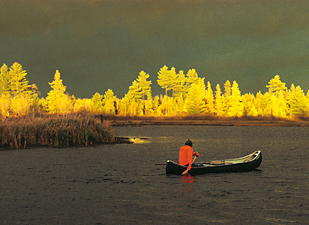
(116, 122)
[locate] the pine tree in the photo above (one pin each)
(276, 87)
(57, 100)
(164, 78)
(192, 78)
(18, 82)
(143, 84)
(173, 77)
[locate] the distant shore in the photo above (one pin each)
(123, 121)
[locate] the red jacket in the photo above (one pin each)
(186, 156)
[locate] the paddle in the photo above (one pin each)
(186, 171)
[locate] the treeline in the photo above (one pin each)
(185, 94)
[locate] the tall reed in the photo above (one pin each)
(57, 131)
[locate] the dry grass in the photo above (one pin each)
(55, 131)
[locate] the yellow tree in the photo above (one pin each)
(209, 99)
(192, 77)
(109, 102)
(297, 101)
(57, 100)
(5, 96)
(236, 105)
(180, 88)
(18, 82)
(219, 101)
(4, 80)
(23, 95)
(227, 96)
(249, 103)
(276, 87)
(97, 103)
(195, 103)
(164, 79)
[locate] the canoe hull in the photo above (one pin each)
(245, 166)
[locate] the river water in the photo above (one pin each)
(120, 184)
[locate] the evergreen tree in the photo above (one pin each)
(276, 87)
(18, 82)
(192, 78)
(143, 84)
(136, 90)
(164, 78)
(173, 77)
(57, 100)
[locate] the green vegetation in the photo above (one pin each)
(185, 95)
(55, 131)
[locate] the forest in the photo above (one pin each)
(184, 94)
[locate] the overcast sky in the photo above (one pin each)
(99, 44)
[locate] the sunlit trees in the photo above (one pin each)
(276, 87)
(192, 78)
(248, 101)
(297, 101)
(164, 78)
(219, 101)
(57, 100)
(4, 80)
(144, 84)
(227, 96)
(97, 103)
(235, 103)
(195, 103)
(180, 88)
(109, 100)
(209, 100)
(188, 95)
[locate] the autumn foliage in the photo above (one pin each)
(184, 94)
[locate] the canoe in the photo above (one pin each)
(243, 164)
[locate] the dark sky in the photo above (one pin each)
(100, 44)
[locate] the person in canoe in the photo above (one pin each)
(186, 156)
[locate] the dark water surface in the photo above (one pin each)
(120, 184)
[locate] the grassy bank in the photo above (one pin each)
(54, 131)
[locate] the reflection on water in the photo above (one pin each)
(186, 183)
(187, 179)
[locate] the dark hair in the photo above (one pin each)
(189, 142)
